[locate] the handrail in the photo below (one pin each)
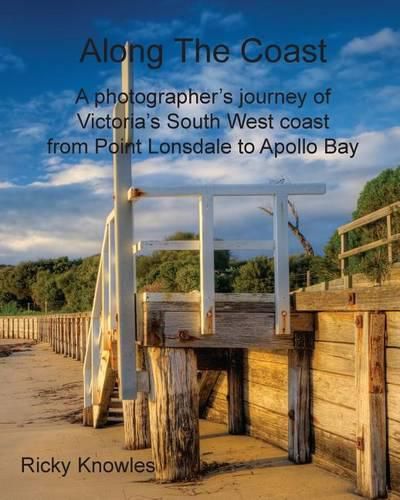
(97, 326)
(381, 213)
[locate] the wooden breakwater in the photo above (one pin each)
(355, 385)
(66, 333)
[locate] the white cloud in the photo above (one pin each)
(32, 132)
(384, 39)
(85, 172)
(10, 61)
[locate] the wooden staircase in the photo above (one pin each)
(115, 413)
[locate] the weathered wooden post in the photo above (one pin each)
(371, 404)
(299, 446)
(174, 413)
(136, 414)
(236, 421)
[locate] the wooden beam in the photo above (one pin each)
(147, 247)
(207, 271)
(239, 324)
(281, 265)
(299, 403)
(208, 379)
(174, 412)
(371, 404)
(367, 219)
(136, 193)
(369, 246)
(384, 298)
(236, 420)
(124, 272)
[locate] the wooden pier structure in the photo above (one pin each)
(154, 344)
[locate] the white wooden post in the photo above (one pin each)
(281, 265)
(95, 328)
(111, 283)
(389, 237)
(105, 283)
(87, 372)
(207, 280)
(124, 276)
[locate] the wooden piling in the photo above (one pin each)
(236, 420)
(371, 404)
(174, 422)
(136, 415)
(299, 437)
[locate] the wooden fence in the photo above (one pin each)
(66, 333)
(383, 213)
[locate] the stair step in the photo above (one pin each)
(115, 404)
(115, 420)
(115, 411)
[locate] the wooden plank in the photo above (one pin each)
(275, 400)
(267, 425)
(371, 405)
(176, 329)
(367, 219)
(384, 298)
(334, 418)
(238, 325)
(299, 402)
(393, 329)
(267, 356)
(236, 422)
(333, 357)
(335, 327)
(263, 372)
(207, 382)
(334, 450)
(334, 388)
(393, 365)
(394, 437)
(393, 398)
(369, 246)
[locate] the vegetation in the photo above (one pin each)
(377, 193)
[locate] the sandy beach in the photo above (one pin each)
(40, 429)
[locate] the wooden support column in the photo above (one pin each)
(371, 404)
(136, 414)
(236, 421)
(299, 446)
(174, 413)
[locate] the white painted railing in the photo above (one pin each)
(103, 316)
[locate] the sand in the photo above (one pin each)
(41, 399)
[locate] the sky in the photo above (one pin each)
(56, 205)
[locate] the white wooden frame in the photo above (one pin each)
(207, 244)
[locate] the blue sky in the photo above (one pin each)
(55, 206)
